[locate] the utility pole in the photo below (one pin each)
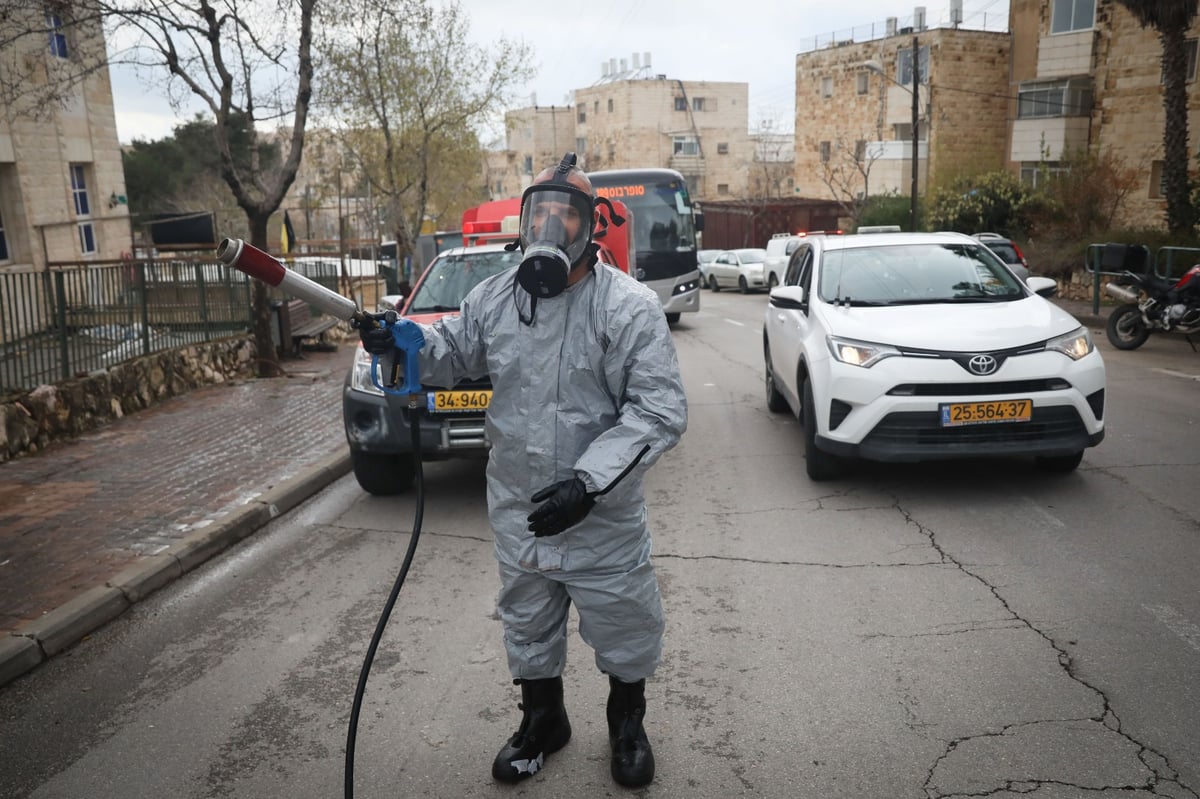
(916, 88)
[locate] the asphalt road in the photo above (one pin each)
(916, 631)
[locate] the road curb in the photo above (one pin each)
(37, 641)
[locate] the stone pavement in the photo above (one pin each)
(89, 526)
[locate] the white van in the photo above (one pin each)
(779, 249)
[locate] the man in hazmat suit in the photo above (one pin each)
(587, 395)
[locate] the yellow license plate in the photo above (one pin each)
(457, 401)
(960, 413)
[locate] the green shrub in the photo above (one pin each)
(994, 201)
(885, 209)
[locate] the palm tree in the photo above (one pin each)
(1171, 19)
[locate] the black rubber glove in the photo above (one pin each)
(376, 339)
(564, 505)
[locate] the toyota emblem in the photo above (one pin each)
(982, 364)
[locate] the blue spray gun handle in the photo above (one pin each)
(409, 340)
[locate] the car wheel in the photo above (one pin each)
(775, 401)
(819, 464)
(1126, 329)
(672, 318)
(1059, 463)
(713, 284)
(743, 286)
(382, 475)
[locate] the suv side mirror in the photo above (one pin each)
(788, 297)
(698, 220)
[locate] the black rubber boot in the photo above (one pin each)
(544, 729)
(632, 758)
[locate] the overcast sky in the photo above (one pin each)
(747, 41)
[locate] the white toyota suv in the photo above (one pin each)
(922, 346)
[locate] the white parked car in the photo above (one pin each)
(740, 269)
(924, 346)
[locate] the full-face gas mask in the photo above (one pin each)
(556, 229)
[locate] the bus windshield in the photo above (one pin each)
(664, 236)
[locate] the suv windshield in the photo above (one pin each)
(916, 273)
(451, 277)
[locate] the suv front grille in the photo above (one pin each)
(921, 429)
(975, 389)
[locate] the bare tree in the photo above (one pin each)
(1172, 19)
(846, 172)
(249, 62)
(35, 83)
(407, 89)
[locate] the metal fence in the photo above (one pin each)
(1114, 260)
(72, 319)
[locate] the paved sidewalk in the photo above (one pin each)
(90, 526)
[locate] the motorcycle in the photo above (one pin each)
(1153, 304)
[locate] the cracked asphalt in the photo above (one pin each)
(926, 632)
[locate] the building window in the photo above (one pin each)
(79, 190)
(1190, 45)
(722, 188)
(581, 146)
(864, 82)
(610, 105)
(1072, 15)
(582, 114)
(3, 242)
(1158, 181)
(860, 150)
(698, 104)
(825, 152)
(1037, 173)
(902, 131)
(722, 148)
(87, 238)
(529, 165)
(680, 103)
(1057, 98)
(595, 106)
(827, 87)
(904, 65)
(685, 145)
(58, 39)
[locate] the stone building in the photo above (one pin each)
(854, 111)
(1088, 76)
(635, 118)
(536, 137)
(62, 186)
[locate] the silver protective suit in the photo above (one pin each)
(593, 382)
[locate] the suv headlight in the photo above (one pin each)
(859, 353)
(1074, 345)
(360, 375)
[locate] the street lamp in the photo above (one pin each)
(875, 66)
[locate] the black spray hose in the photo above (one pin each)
(415, 428)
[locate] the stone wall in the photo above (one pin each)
(32, 421)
